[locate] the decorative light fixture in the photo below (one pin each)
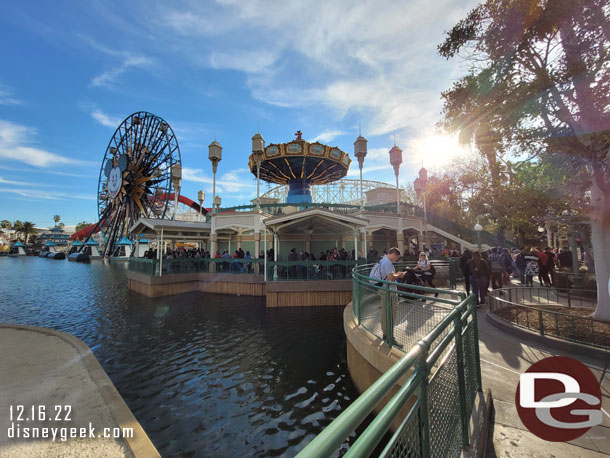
(396, 160)
(215, 156)
(201, 198)
(258, 148)
(360, 147)
(177, 182)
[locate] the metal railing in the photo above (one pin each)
(239, 266)
(443, 377)
(560, 313)
(310, 270)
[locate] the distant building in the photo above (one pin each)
(57, 235)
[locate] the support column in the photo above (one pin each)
(257, 245)
(420, 242)
(356, 245)
(308, 243)
(213, 249)
(400, 241)
(276, 246)
(365, 249)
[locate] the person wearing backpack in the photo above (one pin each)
(384, 270)
(496, 265)
(479, 276)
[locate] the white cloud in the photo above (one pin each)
(376, 60)
(328, 136)
(46, 195)
(14, 139)
(105, 120)
(18, 183)
(235, 181)
(108, 77)
(6, 97)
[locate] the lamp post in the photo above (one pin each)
(396, 160)
(201, 198)
(420, 189)
(177, 182)
(215, 156)
(258, 147)
(477, 229)
(360, 153)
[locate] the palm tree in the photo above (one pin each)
(57, 219)
(5, 224)
(18, 227)
(28, 229)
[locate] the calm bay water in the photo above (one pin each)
(205, 375)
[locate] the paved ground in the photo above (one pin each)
(503, 358)
(57, 376)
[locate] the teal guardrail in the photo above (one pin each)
(241, 266)
(311, 270)
(443, 377)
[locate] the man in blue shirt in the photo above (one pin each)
(384, 270)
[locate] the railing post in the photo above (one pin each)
(422, 395)
(459, 354)
(540, 324)
(476, 343)
(388, 316)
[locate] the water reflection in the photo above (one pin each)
(206, 375)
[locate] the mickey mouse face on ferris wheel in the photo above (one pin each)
(114, 173)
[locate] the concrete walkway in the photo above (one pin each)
(503, 358)
(52, 381)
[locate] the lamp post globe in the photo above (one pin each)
(360, 149)
(396, 160)
(258, 148)
(477, 229)
(200, 198)
(177, 182)
(215, 156)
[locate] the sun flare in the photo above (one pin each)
(438, 151)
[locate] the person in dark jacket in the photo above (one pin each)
(521, 264)
(480, 275)
(467, 256)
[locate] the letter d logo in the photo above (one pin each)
(558, 399)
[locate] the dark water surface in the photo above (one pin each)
(205, 375)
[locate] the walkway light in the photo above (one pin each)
(201, 198)
(396, 160)
(477, 229)
(215, 156)
(258, 148)
(177, 182)
(360, 152)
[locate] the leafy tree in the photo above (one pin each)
(81, 225)
(27, 230)
(538, 86)
(5, 224)
(18, 227)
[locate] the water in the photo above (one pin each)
(205, 375)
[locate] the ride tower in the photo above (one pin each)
(300, 164)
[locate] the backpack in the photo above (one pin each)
(376, 274)
(496, 265)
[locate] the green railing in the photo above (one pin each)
(442, 370)
(561, 313)
(310, 270)
(239, 266)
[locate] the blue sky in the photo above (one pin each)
(73, 70)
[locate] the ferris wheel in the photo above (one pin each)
(135, 175)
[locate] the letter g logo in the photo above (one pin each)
(559, 399)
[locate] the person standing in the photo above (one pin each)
(467, 256)
(565, 259)
(543, 271)
(531, 268)
(384, 270)
(496, 264)
(550, 265)
(480, 274)
(521, 265)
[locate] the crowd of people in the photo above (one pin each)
(495, 267)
